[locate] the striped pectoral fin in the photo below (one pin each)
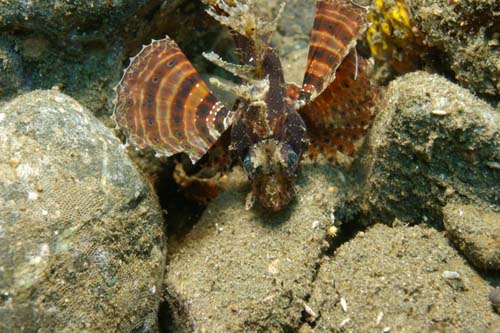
(163, 103)
(337, 26)
(339, 117)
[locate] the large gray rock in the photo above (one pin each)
(432, 141)
(78, 46)
(249, 271)
(403, 279)
(81, 234)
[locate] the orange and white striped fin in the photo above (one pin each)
(163, 103)
(337, 26)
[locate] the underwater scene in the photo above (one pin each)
(213, 166)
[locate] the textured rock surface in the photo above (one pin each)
(88, 75)
(10, 68)
(432, 141)
(85, 70)
(476, 232)
(62, 19)
(240, 270)
(494, 297)
(467, 35)
(81, 239)
(406, 279)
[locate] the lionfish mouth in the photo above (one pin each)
(274, 191)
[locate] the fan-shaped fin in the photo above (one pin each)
(342, 114)
(163, 103)
(337, 26)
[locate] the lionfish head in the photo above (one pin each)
(271, 166)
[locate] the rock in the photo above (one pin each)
(495, 328)
(466, 35)
(11, 72)
(81, 234)
(88, 74)
(68, 19)
(432, 141)
(248, 270)
(494, 297)
(476, 232)
(77, 46)
(402, 279)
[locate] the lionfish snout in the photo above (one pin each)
(274, 191)
(271, 166)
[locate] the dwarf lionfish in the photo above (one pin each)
(163, 103)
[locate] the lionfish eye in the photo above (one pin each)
(247, 164)
(293, 158)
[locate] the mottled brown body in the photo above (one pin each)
(270, 138)
(162, 102)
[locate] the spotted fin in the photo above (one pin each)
(337, 26)
(342, 114)
(161, 102)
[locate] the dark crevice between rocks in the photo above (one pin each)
(348, 231)
(435, 61)
(350, 214)
(173, 315)
(166, 321)
(308, 318)
(493, 277)
(181, 213)
(288, 329)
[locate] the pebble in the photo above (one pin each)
(494, 297)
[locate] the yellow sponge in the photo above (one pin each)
(392, 35)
